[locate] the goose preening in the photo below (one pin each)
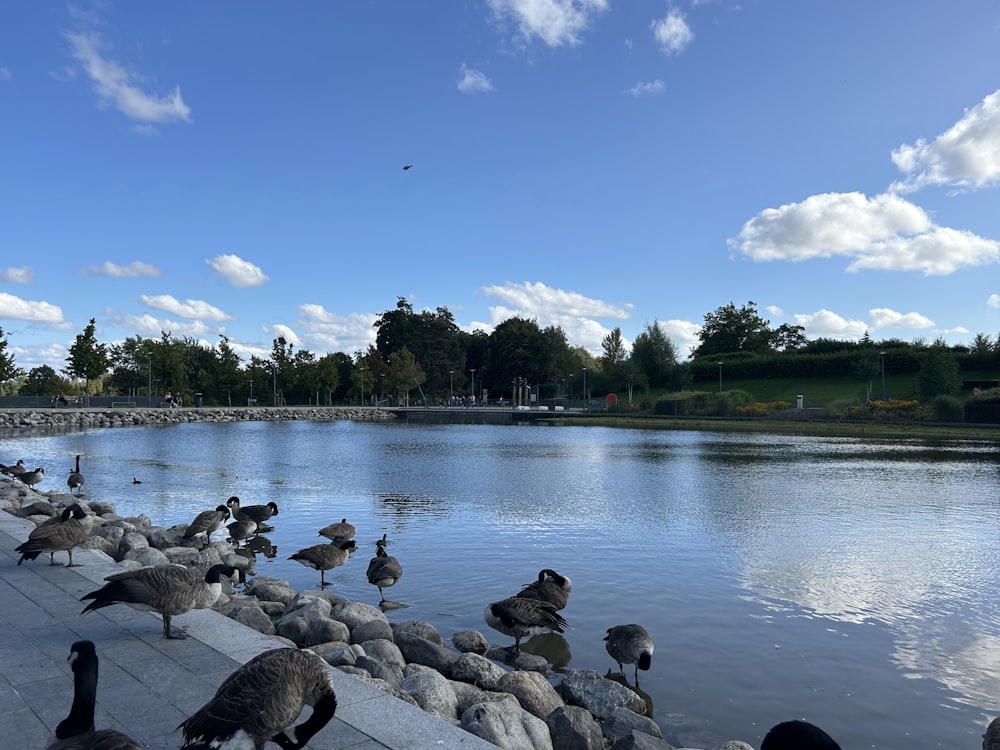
(324, 557)
(241, 530)
(550, 587)
(256, 513)
(76, 731)
(519, 617)
(60, 534)
(168, 590)
(206, 522)
(630, 644)
(31, 478)
(797, 735)
(338, 532)
(14, 469)
(259, 701)
(75, 479)
(991, 740)
(384, 570)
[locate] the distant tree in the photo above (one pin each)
(653, 354)
(731, 329)
(42, 380)
(7, 369)
(87, 360)
(405, 374)
(614, 349)
(981, 344)
(867, 366)
(787, 338)
(939, 373)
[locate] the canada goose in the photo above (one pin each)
(75, 479)
(69, 530)
(136, 481)
(407, 167)
(519, 617)
(797, 735)
(991, 740)
(324, 557)
(241, 530)
(630, 644)
(206, 522)
(550, 587)
(14, 469)
(166, 589)
(31, 478)
(339, 532)
(384, 570)
(76, 731)
(258, 513)
(259, 701)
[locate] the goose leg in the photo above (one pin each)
(173, 633)
(71, 564)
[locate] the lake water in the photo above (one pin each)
(850, 582)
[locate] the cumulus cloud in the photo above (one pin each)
(993, 301)
(280, 331)
(882, 317)
(576, 314)
(33, 311)
(830, 325)
(150, 326)
(966, 155)
(189, 308)
(885, 232)
(237, 271)
(132, 270)
(116, 87)
(328, 332)
(555, 22)
(19, 275)
(472, 81)
(647, 88)
(672, 32)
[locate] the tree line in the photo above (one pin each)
(424, 357)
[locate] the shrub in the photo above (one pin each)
(948, 409)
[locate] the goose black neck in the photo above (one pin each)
(81, 714)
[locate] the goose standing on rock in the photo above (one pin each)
(630, 644)
(31, 478)
(339, 532)
(550, 587)
(76, 731)
(519, 617)
(168, 590)
(797, 735)
(14, 469)
(75, 479)
(206, 522)
(257, 513)
(241, 530)
(384, 570)
(324, 557)
(259, 701)
(60, 534)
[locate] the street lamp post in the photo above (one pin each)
(362, 369)
(720, 377)
(451, 387)
(250, 402)
(149, 372)
(585, 396)
(882, 356)
(274, 385)
(472, 387)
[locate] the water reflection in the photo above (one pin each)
(553, 647)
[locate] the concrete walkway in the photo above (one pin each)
(148, 684)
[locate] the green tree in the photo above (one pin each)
(654, 354)
(88, 359)
(788, 338)
(730, 329)
(43, 380)
(867, 366)
(7, 369)
(405, 374)
(939, 373)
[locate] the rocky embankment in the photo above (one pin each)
(134, 417)
(514, 703)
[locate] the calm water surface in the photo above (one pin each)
(853, 583)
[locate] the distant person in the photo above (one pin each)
(168, 398)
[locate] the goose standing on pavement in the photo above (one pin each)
(60, 534)
(75, 479)
(797, 735)
(76, 731)
(339, 532)
(630, 644)
(324, 557)
(384, 570)
(260, 700)
(550, 587)
(519, 617)
(257, 513)
(206, 522)
(168, 590)
(31, 478)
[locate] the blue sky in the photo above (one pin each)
(237, 168)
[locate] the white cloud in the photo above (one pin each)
(189, 308)
(646, 88)
(993, 301)
(885, 232)
(34, 311)
(683, 333)
(774, 311)
(573, 312)
(473, 81)
(829, 325)
(132, 270)
(19, 275)
(966, 155)
(672, 32)
(237, 271)
(5, 74)
(882, 317)
(328, 332)
(282, 331)
(149, 326)
(555, 22)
